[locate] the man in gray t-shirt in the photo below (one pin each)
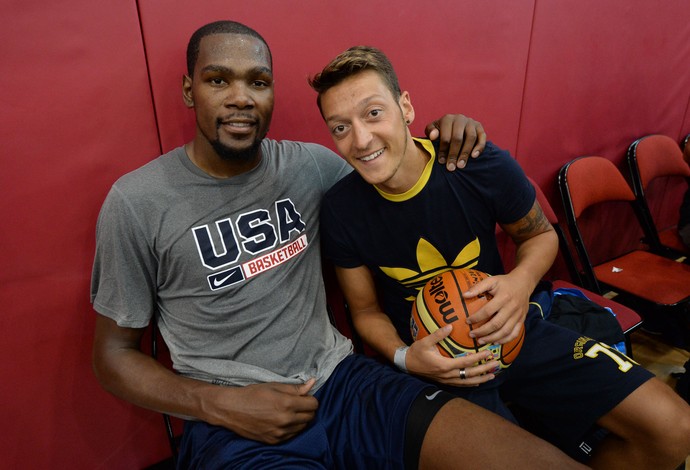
(212, 248)
(220, 239)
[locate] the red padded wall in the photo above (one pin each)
(550, 81)
(76, 114)
(451, 56)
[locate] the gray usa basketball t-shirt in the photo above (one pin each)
(232, 266)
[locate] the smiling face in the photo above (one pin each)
(369, 128)
(232, 95)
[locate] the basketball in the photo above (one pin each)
(440, 303)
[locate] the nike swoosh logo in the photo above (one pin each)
(225, 278)
(433, 395)
(219, 282)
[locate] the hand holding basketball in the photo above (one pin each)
(425, 359)
(441, 303)
(501, 319)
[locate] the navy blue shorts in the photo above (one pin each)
(560, 384)
(361, 423)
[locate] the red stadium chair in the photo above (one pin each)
(657, 159)
(643, 279)
(628, 319)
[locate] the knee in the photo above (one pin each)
(673, 438)
(683, 428)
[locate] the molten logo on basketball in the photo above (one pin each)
(440, 296)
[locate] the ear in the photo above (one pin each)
(406, 107)
(187, 95)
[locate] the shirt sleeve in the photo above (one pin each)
(123, 281)
(331, 167)
(510, 191)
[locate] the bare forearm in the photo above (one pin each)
(128, 373)
(267, 412)
(143, 381)
(535, 256)
(376, 329)
(371, 323)
(537, 245)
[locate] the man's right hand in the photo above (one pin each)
(424, 359)
(269, 412)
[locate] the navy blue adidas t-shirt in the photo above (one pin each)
(446, 221)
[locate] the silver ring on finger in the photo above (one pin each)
(463, 374)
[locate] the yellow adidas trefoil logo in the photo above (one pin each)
(431, 263)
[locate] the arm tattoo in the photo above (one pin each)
(532, 224)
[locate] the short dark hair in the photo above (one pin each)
(351, 62)
(219, 27)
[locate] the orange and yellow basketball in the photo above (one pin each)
(440, 303)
